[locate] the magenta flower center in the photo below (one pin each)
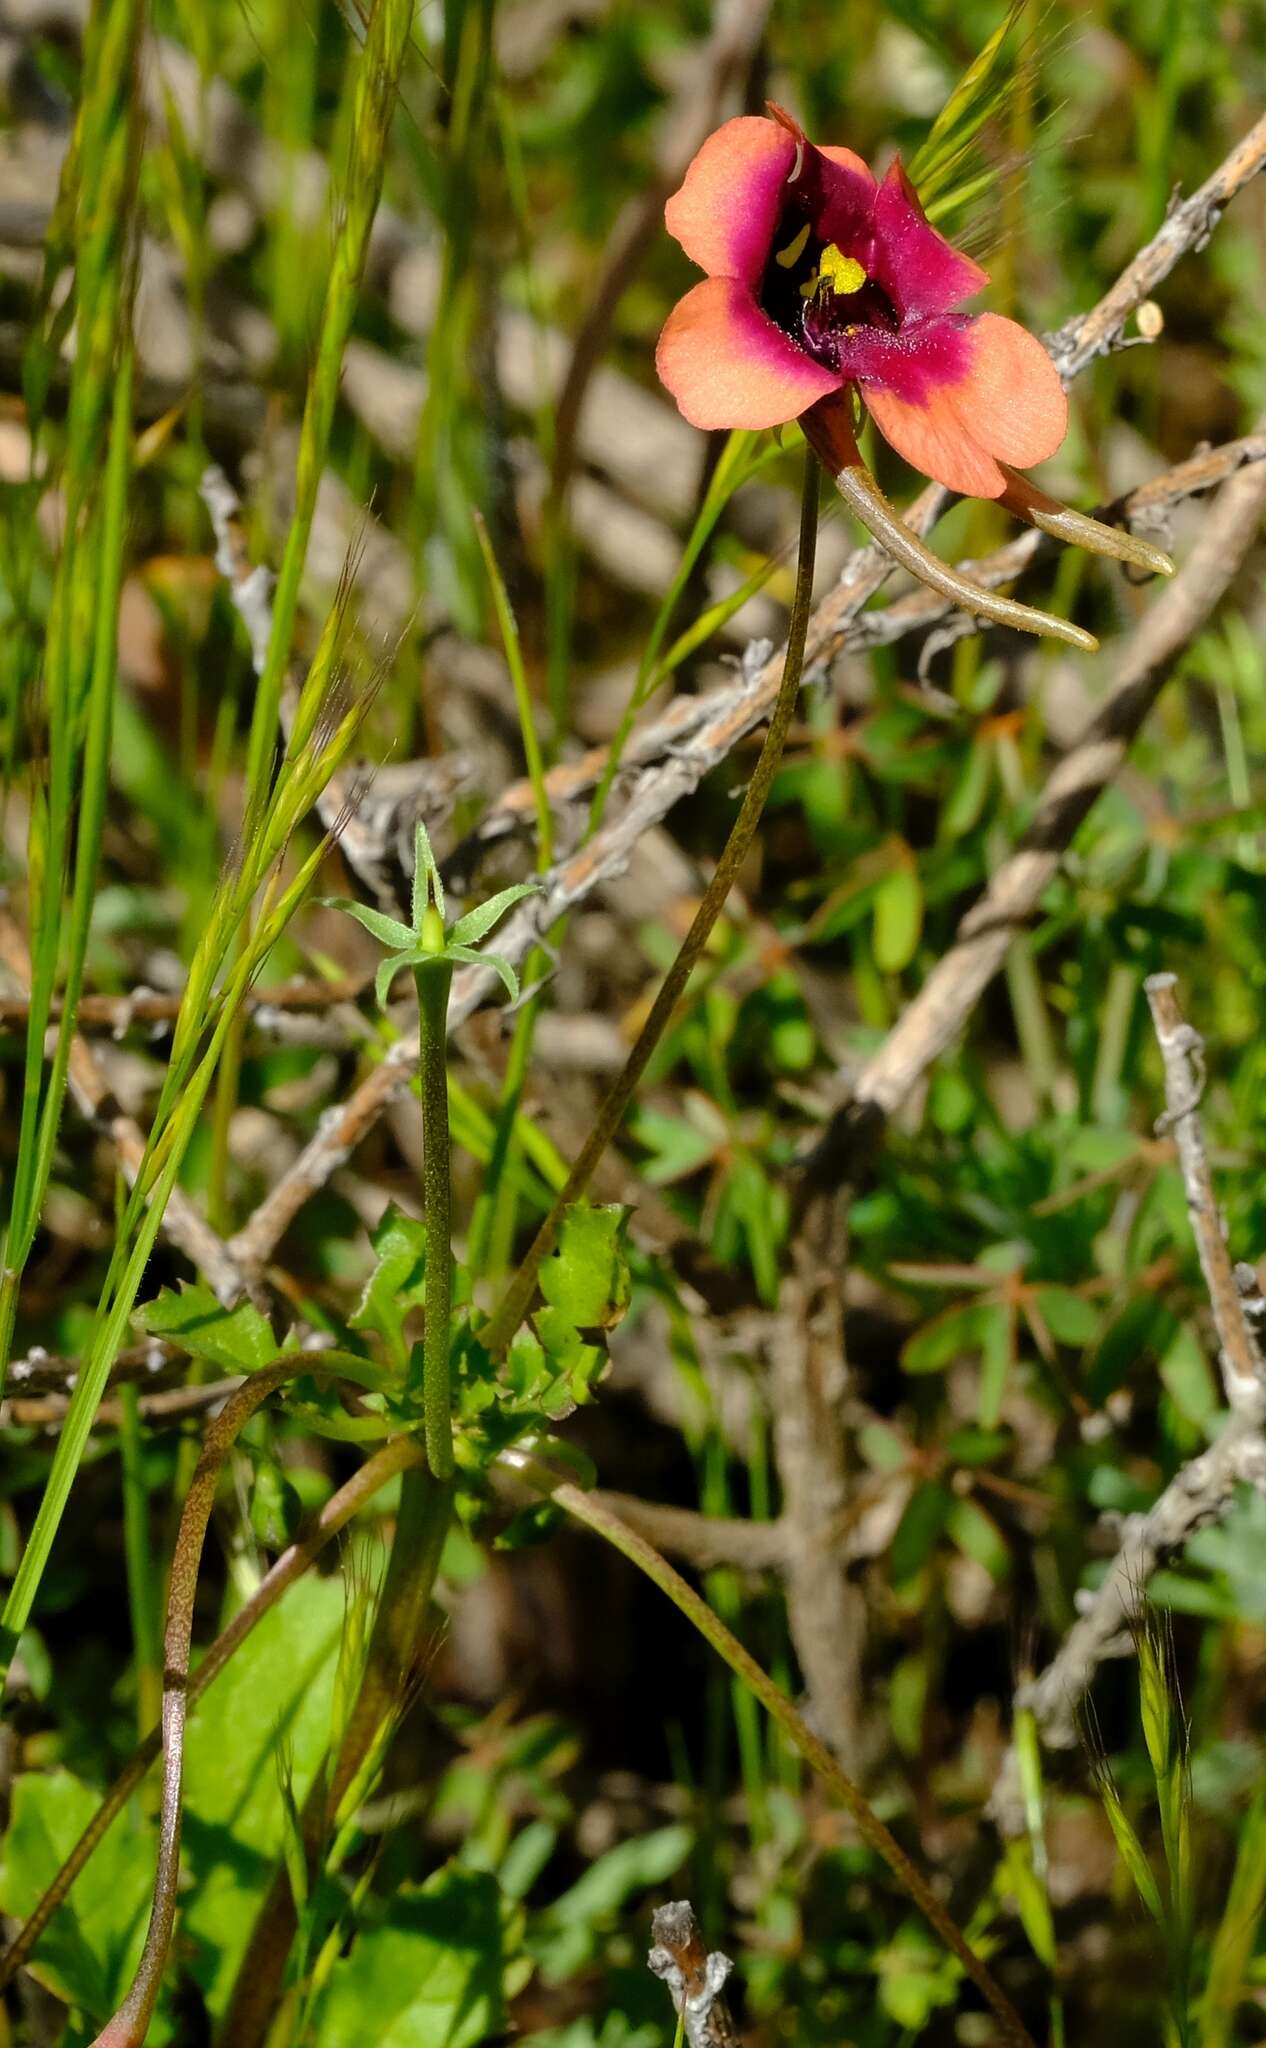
(820, 295)
(817, 284)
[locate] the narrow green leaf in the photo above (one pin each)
(898, 916)
(468, 957)
(388, 969)
(954, 1333)
(471, 928)
(1132, 1855)
(427, 884)
(387, 930)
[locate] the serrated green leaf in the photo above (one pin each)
(238, 1339)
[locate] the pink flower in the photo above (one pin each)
(819, 278)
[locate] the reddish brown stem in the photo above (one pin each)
(128, 2027)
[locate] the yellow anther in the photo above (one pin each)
(794, 250)
(844, 274)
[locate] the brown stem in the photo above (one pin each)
(128, 2027)
(828, 428)
(394, 1457)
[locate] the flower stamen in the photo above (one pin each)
(791, 255)
(842, 274)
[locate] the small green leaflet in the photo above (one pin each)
(239, 1339)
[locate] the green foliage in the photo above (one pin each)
(425, 1973)
(92, 1947)
(235, 1339)
(566, 1935)
(554, 1365)
(397, 1284)
(431, 949)
(276, 1693)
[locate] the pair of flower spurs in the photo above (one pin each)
(822, 283)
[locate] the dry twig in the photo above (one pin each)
(948, 996)
(808, 1383)
(695, 1979)
(1201, 1490)
(1182, 1050)
(1189, 225)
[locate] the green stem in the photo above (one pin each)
(492, 1228)
(433, 983)
(514, 1303)
(604, 1523)
(143, 1597)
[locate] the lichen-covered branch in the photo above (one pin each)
(695, 1979)
(931, 1022)
(1182, 1051)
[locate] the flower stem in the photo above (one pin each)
(433, 983)
(828, 428)
(604, 1523)
(514, 1303)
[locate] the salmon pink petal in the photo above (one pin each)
(726, 210)
(918, 269)
(1011, 398)
(727, 365)
(848, 160)
(932, 437)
